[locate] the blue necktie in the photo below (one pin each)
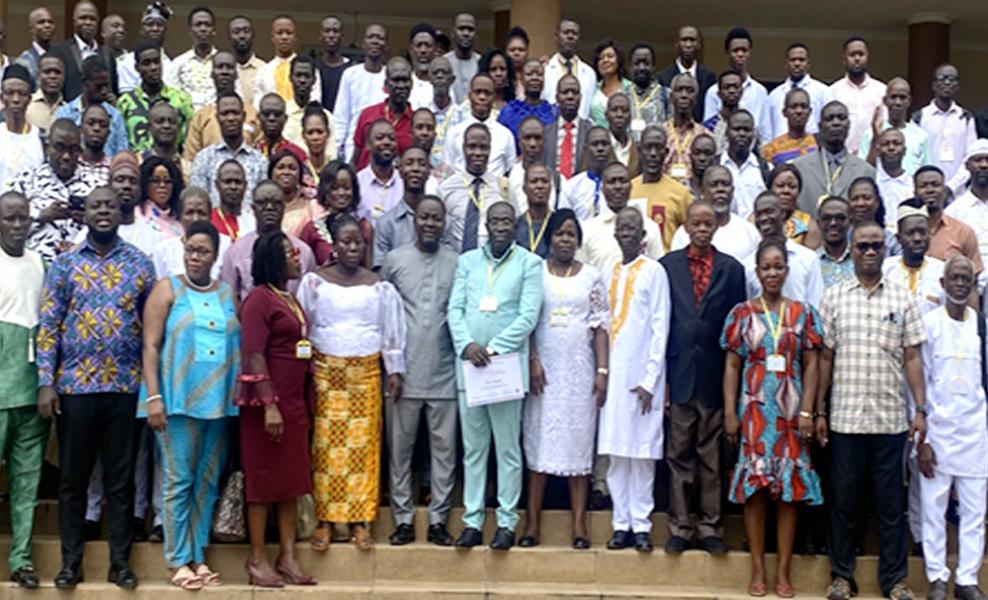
(471, 224)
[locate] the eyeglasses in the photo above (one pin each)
(866, 246)
(198, 252)
(947, 78)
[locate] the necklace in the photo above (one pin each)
(197, 287)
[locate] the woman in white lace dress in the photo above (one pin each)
(569, 377)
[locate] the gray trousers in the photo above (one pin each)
(402, 426)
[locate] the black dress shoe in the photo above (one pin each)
(643, 542)
(528, 541)
(439, 536)
(677, 545)
(91, 531)
(123, 577)
(620, 540)
(25, 577)
(68, 578)
(469, 538)
(581, 543)
(157, 535)
(504, 538)
(404, 534)
(968, 592)
(937, 591)
(140, 530)
(599, 501)
(713, 545)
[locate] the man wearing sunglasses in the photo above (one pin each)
(949, 125)
(872, 336)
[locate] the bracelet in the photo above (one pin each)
(805, 414)
(821, 414)
(602, 371)
(151, 399)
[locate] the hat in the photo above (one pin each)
(156, 11)
(17, 71)
(905, 211)
(422, 28)
(978, 146)
(124, 159)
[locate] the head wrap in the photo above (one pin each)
(123, 160)
(978, 146)
(905, 211)
(156, 11)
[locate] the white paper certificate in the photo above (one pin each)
(499, 381)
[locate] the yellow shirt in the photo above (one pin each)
(667, 203)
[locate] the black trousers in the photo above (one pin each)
(852, 458)
(92, 424)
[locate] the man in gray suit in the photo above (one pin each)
(567, 121)
(830, 170)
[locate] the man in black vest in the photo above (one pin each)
(704, 285)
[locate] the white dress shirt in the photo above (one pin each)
(893, 191)
(600, 248)
(581, 193)
(917, 146)
(754, 99)
(456, 192)
(422, 93)
(818, 92)
(748, 183)
(359, 88)
(971, 210)
(950, 132)
(861, 101)
(18, 152)
(264, 82)
(804, 282)
(739, 238)
(503, 152)
(555, 70)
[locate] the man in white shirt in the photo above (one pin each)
(955, 455)
(154, 26)
(600, 248)
(898, 98)
(895, 183)
(734, 235)
(192, 70)
(20, 142)
(275, 76)
(972, 207)
(951, 127)
(360, 86)
(502, 153)
(745, 168)
(754, 96)
(858, 91)
(462, 58)
(421, 51)
(805, 279)
(566, 62)
(618, 116)
(582, 192)
(914, 270)
(531, 140)
(798, 67)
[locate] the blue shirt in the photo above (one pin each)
(116, 142)
(517, 111)
(515, 280)
(89, 336)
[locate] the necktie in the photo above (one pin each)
(566, 151)
(471, 224)
(568, 64)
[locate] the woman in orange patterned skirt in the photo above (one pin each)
(357, 320)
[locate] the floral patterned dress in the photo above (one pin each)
(772, 454)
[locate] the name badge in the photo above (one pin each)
(946, 152)
(638, 125)
(959, 388)
(679, 171)
(303, 350)
(488, 304)
(559, 318)
(775, 363)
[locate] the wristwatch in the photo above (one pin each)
(490, 351)
(602, 371)
(921, 409)
(805, 414)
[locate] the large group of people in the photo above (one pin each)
(214, 264)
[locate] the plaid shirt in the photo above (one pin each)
(868, 332)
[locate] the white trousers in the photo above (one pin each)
(631, 482)
(145, 452)
(915, 512)
(971, 495)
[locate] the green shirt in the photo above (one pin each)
(135, 105)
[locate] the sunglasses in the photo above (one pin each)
(866, 246)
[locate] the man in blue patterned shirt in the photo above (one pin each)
(89, 371)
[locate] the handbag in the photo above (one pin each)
(305, 520)
(228, 519)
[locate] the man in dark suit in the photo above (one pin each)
(704, 285)
(567, 120)
(687, 53)
(82, 44)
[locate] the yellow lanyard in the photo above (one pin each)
(558, 289)
(910, 276)
(681, 144)
(777, 331)
(831, 178)
(478, 202)
(533, 241)
(294, 307)
(640, 104)
(494, 270)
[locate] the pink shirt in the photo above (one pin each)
(861, 102)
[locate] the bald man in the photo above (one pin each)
(395, 109)
(898, 98)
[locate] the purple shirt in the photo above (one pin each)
(238, 259)
(378, 197)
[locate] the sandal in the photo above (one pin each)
(321, 538)
(757, 589)
(361, 537)
(785, 590)
(186, 578)
(210, 578)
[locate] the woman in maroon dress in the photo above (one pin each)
(275, 408)
(339, 194)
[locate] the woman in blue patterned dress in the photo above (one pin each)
(191, 360)
(772, 345)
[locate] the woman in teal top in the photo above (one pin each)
(609, 64)
(191, 359)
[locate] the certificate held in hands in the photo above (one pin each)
(499, 381)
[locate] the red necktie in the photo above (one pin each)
(566, 152)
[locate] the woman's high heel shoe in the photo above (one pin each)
(254, 577)
(293, 578)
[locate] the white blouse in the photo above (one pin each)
(359, 320)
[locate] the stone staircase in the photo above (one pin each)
(421, 570)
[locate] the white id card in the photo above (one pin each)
(559, 318)
(488, 304)
(638, 125)
(775, 363)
